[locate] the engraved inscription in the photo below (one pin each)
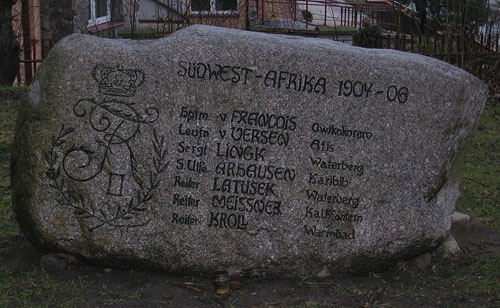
(232, 169)
(284, 80)
(116, 124)
(115, 186)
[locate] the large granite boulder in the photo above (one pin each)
(223, 149)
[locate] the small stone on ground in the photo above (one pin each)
(460, 218)
(449, 247)
(421, 262)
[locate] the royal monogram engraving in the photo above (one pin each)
(110, 159)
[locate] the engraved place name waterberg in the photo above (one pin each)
(214, 148)
(245, 183)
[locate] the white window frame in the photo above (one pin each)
(213, 9)
(93, 21)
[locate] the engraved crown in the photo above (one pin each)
(116, 80)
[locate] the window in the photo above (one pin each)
(100, 12)
(214, 6)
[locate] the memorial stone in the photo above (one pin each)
(223, 149)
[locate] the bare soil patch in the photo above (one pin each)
(86, 285)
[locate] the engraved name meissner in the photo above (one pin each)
(245, 183)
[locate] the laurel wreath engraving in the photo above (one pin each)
(123, 215)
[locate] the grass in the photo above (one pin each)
(482, 276)
(480, 198)
(8, 116)
(480, 188)
(36, 288)
(340, 290)
(12, 88)
(311, 304)
(8, 226)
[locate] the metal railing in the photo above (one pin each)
(308, 14)
(33, 52)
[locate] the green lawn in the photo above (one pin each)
(480, 189)
(8, 116)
